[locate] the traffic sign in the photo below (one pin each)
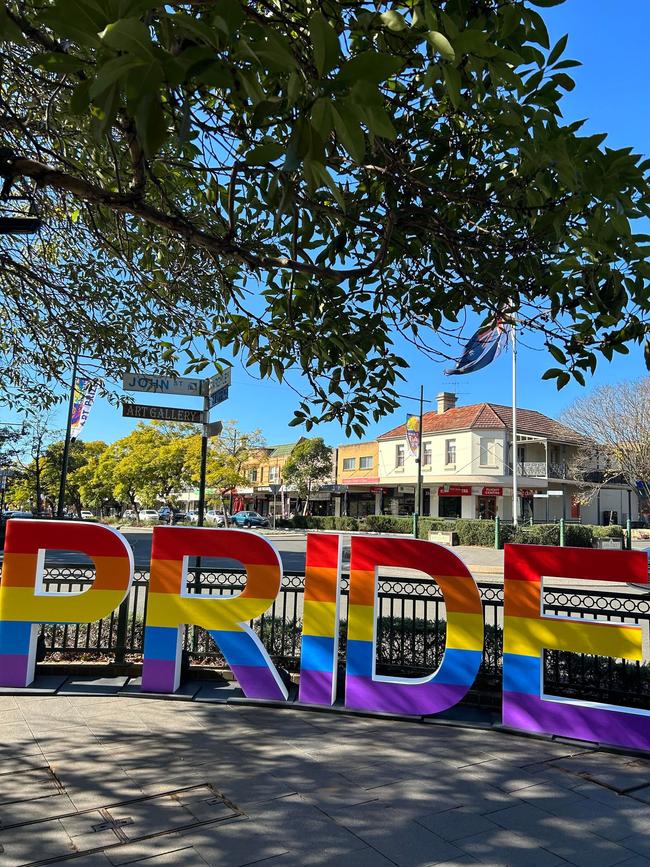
(214, 428)
(162, 384)
(217, 397)
(219, 380)
(275, 489)
(163, 413)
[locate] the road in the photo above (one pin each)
(291, 547)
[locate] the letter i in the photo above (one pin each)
(320, 623)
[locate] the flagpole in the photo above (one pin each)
(66, 445)
(515, 498)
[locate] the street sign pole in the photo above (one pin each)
(204, 461)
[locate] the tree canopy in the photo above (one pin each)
(310, 462)
(305, 184)
(615, 420)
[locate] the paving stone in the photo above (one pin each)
(27, 785)
(456, 824)
(564, 837)
(407, 843)
(34, 842)
(19, 812)
(638, 844)
(97, 859)
(235, 844)
(614, 771)
(509, 849)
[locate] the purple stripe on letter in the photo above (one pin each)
(617, 728)
(158, 675)
(257, 681)
(13, 669)
(417, 699)
(315, 687)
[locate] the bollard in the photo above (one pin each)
(628, 538)
(497, 532)
(415, 524)
(562, 532)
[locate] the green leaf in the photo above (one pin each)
(547, 3)
(372, 66)
(557, 353)
(393, 20)
(326, 43)
(128, 34)
(558, 50)
(112, 72)
(552, 373)
(441, 44)
(452, 83)
(321, 177)
(264, 153)
(80, 98)
(321, 117)
(55, 61)
(349, 132)
(151, 124)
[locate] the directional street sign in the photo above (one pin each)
(219, 380)
(215, 428)
(162, 384)
(163, 413)
(217, 397)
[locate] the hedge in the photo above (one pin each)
(613, 531)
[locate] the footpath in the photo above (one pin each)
(105, 779)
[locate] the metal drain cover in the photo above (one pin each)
(74, 834)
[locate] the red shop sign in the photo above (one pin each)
(492, 492)
(455, 491)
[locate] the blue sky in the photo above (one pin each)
(610, 39)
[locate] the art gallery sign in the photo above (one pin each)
(527, 630)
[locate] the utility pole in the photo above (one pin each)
(204, 457)
(418, 489)
(68, 438)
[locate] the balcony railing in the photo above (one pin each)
(558, 471)
(533, 469)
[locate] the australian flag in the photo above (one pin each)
(482, 348)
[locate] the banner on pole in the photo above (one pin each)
(413, 434)
(85, 391)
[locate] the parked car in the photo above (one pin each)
(213, 516)
(167, 515)
(18, 514)
(248, 519)
(87, 515)
(129, 515)
(148, 515)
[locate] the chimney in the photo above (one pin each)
(446, 400)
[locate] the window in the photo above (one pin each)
(450, 452)
(449, 507)
(252, 475)
(274, 475)
(426, 454)
(261, 475)
(399, 456)
(365, 463)
(488, 452)
(349, 463)
(521, 454)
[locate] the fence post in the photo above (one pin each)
(122, 625)
(628, 529)
(562, 532)
(497, 532)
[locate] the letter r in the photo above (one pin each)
(170, 607)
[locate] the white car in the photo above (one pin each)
(149, 515)
(86, 515)
(213, 516)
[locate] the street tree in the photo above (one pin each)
(309, 185)
(227, 457)
(81, 454)
(309, 463)
(615, 420)
(152, 464)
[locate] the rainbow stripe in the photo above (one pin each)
(527, 632)
(364, 689)
(226, 618)
(23, 603)
(320, 624)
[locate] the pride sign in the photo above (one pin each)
(527, 630)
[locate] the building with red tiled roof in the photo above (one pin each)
(467, 457)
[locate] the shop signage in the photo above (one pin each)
(492, 492)
(379, 490)
(455, 491)
(527, 630)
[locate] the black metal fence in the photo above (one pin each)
(411, 631)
